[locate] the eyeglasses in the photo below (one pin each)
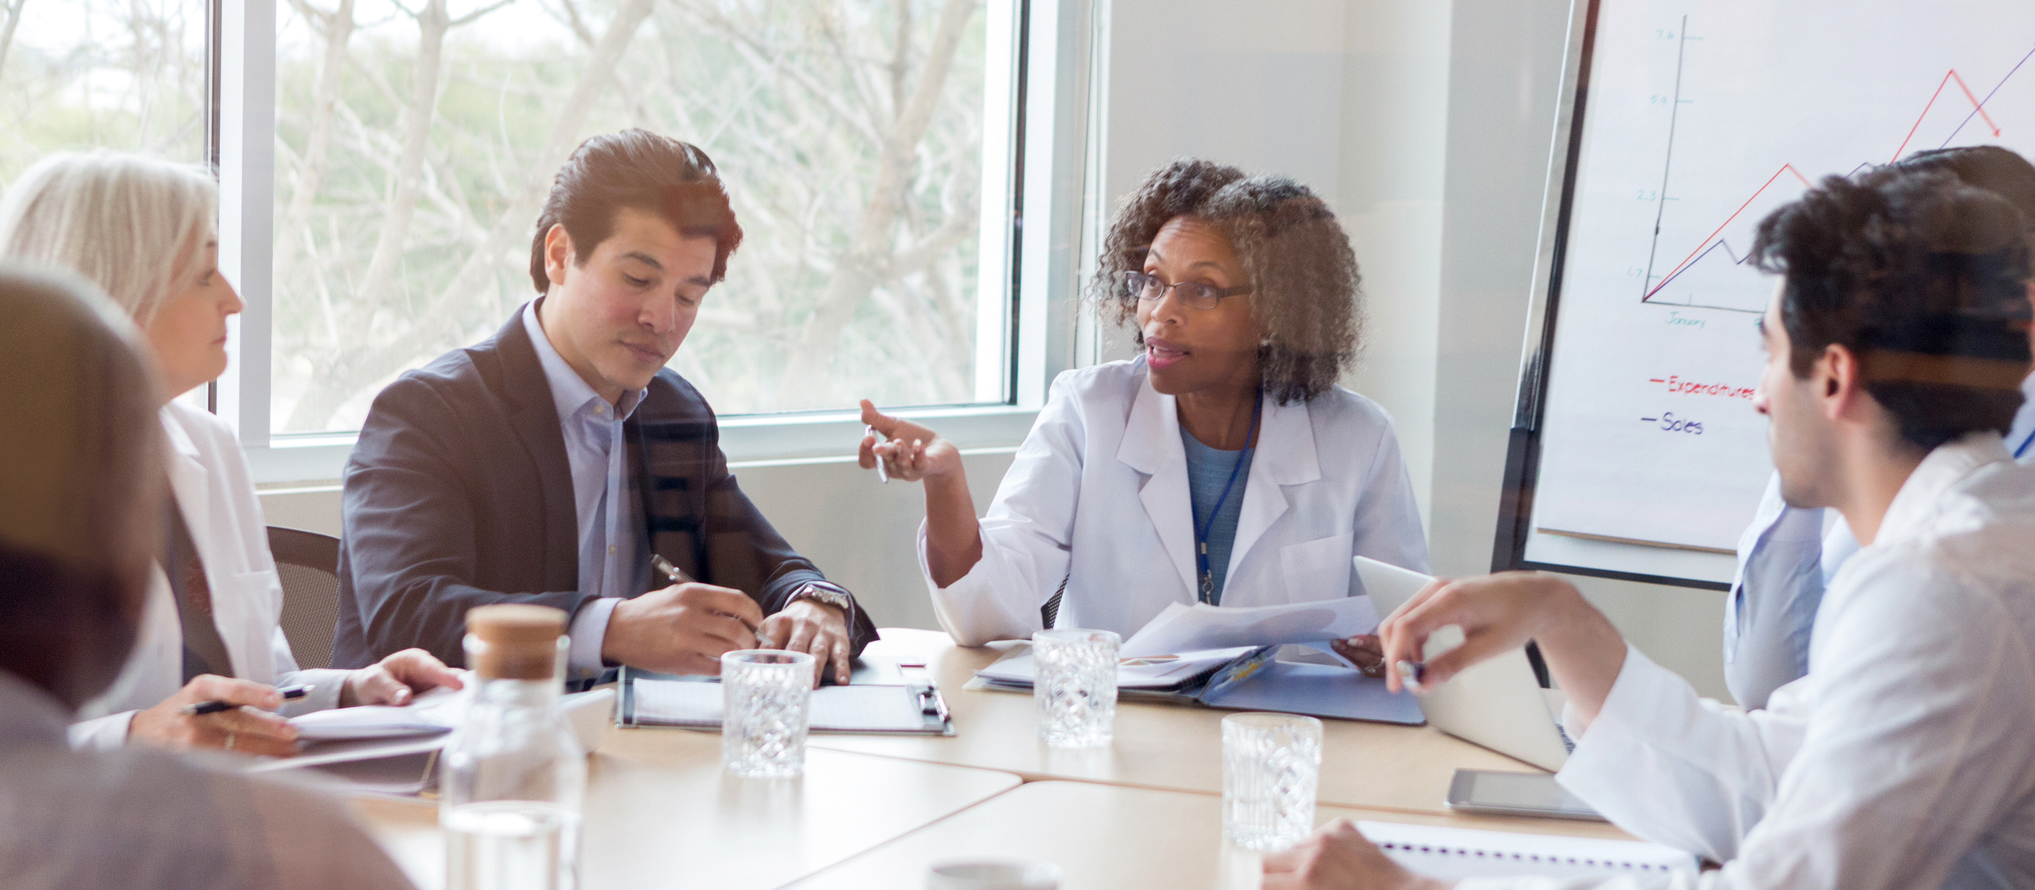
(1148, 288)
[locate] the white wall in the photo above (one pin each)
(1425, 125)
(1349, 97)
(1504, 77)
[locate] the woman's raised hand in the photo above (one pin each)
(908, 451)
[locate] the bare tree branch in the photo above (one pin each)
(14, 8)
(338, 29)
(363, 362)
(865, 263)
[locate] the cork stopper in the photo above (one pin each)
(519, 642)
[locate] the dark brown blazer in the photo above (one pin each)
(459, 494)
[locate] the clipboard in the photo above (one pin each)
(878, 700)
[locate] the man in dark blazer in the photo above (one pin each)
(549, 463)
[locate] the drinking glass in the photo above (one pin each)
(766, 695)
(1074, 684)
(1271, 764)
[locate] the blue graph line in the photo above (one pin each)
(1736, 260)
(1989, 97)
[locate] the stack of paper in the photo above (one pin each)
(1471, 853)
(1160, 672)
(1201, 627)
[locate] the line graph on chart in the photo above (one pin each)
(1708, 264)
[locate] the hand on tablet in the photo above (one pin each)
(1500, 613)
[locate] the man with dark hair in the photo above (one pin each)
(1788, 555)
(81, 502)
(552, 462)
(1903, 759)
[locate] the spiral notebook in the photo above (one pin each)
(1471, 853)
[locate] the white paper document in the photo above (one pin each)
(433, 712)
(1443, 852)
(1201, 626)
(1160, 672)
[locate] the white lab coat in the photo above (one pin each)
(1098, 495)
(1903, 759)
(209, 477)
(1785, 560)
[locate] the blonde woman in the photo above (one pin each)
(142, 229)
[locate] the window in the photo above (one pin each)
(376, 211)
(865, 145)
(83, 74)
(120, 74)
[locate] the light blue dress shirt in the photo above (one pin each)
(613, 562)
(1208, 470)
(1785, 559)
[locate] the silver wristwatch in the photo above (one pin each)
(825, 595)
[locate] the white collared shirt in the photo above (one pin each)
(208, 476)
(1904, 759)
(1098, 496)
(612, 561)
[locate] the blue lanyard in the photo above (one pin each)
(2018, 452)
(1201, 529)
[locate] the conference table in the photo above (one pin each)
(874, 811)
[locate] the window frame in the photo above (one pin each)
(1045, 114)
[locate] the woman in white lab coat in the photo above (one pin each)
(1222, 465)
(142, 230)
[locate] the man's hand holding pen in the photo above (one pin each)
(682, 629)
(688, 626)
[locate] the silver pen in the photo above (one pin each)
(1413, 675)
(881, 472)
(678, 576)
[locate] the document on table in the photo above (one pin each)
(1321, 691)
(697, 703)
(1182, 628)
(433, 712)
(1473, 853)
(1164, 672)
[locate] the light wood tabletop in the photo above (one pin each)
(1104, 836)
(1162, 746)
(660, 813)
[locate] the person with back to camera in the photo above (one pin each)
(1896, 345)
(81, 516)
(1222, 465)
(141, 228)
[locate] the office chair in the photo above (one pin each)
(309, 565)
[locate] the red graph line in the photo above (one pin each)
(1785, 168)
(1975, 104)
(1978, 108)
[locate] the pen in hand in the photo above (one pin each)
(882, 472)
(289, 693)
(1413, 675)
(678, 576)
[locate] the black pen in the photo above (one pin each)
(678, 576)
(290, 693)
